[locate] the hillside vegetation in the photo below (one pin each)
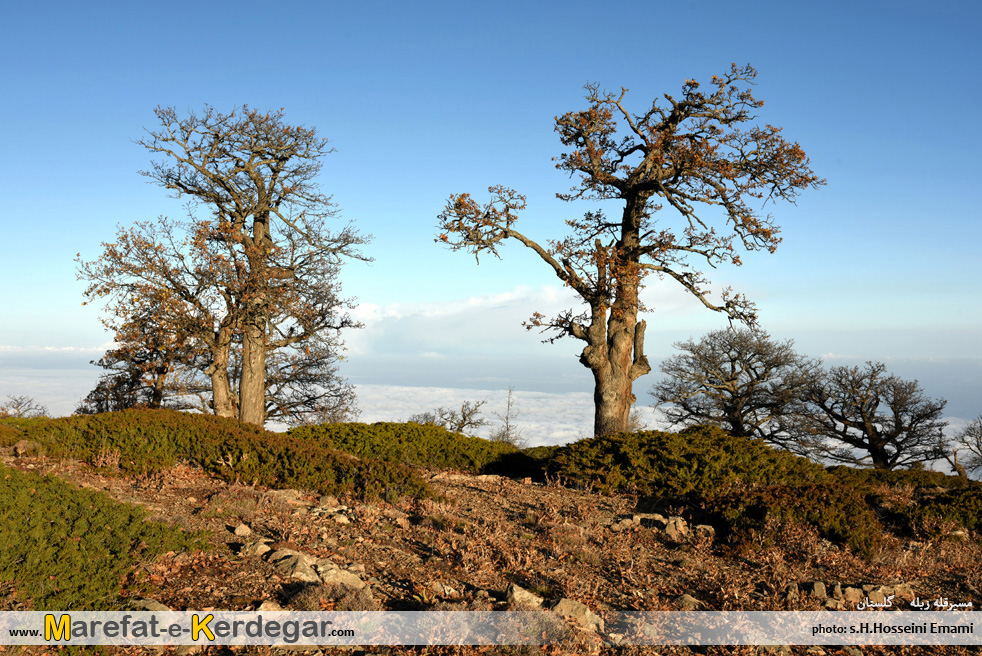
(71, 547)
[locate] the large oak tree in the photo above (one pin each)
(701, 157)
(258, 268)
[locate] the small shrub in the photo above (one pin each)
(840, 514)
(701, 461)
(12, 428)
(915, 478)
(421, 445)
(68, 548)
(153, 440)
(962, 506)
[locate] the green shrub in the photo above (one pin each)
(67, 548)
(12, 428)
(152, 440)
(840, 514)
(962, 506)
(915, 478)
(422, 445)
(9, 435)
(703, 461)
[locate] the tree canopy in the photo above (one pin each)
(258, 273)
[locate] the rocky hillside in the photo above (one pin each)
(486, 542)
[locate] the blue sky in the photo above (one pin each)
(426, 99)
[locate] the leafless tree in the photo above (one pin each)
(507, 431)
(740, 380)
(864, 416)
(457, 421)
(970, 437)
(23, 407)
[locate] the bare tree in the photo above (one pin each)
(22, 407)
(506, 431)
(864, 416)
(689, 153)
(970, 437)
(738, 379)
(456, 421)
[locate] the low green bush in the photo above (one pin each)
(12, 428)
(961, 505)
(915, 478)
(152, 440)
(9, 435)
(67, 549)
(422, 445)
(840, 513)
(701, 461)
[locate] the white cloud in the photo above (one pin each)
(56, 349)
(543, 418)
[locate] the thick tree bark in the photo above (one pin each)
(252, 388)
(223, 401)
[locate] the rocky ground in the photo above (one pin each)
(493, 543)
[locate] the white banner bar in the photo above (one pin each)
(488, 628)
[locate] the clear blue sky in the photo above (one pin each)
(425, 99)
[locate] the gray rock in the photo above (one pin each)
(816, 589)
(147, 604)
(294, 564)
(688, 602)
(579, 613)
(622, 525)
(650, 520)
(329, 573)
(519, 596)
(256, 548)
(852, 595)
(341, 519)
(676, 528)
(269, 604)
(242, 530)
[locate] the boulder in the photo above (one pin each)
(294, 565)
(330, 573)
(517, 596)
(579, 613)
(256, 548)
(676, 528)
